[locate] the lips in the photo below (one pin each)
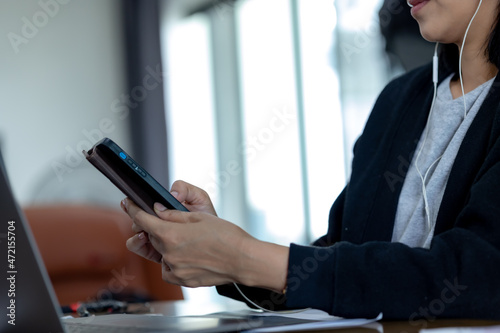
(414, 3)
(417, 5)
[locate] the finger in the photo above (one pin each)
(136, 229)
(140, 245)
(131, 208)
(180, 190)
(142, 220)
(123, 206)
(171, 215)
(190, 194)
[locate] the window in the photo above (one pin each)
(270, 120)
(191, 130)
(265, 104)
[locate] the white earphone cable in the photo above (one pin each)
(423, 178)
(264, 309)
(461, 53)
(435, 81)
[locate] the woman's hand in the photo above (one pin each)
(200, 249)
(193, 198)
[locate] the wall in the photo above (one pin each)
(62, 86)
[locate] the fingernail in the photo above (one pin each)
(123, 204)
(159, 207)
(175, 194)
(141, 236)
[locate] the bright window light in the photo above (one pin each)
(322, 111)
(270, 120)
(190, 113)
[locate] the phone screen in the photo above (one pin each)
(130, 177)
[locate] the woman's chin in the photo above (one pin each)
(432, 36)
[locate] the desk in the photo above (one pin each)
(400, 326)
(183, 308)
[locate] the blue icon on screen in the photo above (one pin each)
(123, 156)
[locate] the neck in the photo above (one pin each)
(476, 70)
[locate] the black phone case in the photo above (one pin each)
(129, 177)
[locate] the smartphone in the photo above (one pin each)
(135, 182)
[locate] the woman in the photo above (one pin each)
(415, 233)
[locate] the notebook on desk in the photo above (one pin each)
(28, 302)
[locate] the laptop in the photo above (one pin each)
(28, 302)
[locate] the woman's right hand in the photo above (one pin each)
(194, 198)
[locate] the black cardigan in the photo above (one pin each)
(355, 270)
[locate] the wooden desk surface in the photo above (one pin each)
(402, 326)
(184, 308)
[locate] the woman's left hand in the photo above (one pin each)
(192, 254)
(199, 249)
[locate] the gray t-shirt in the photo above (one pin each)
(446, 129)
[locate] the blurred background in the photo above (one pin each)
(257, 101)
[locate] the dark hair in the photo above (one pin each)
(450, 54)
